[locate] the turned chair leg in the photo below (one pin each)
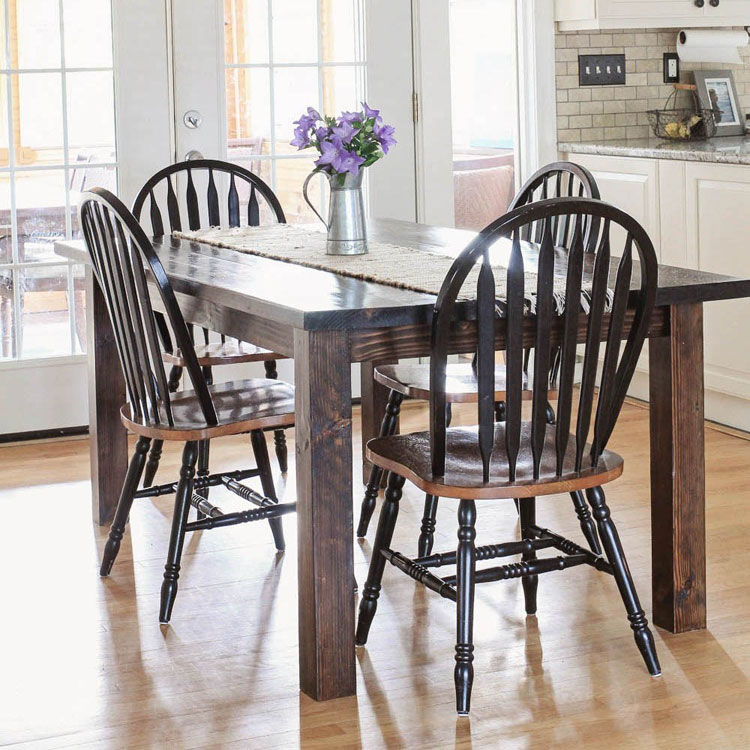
(203, 445)
(387, 428)
(279, 436)
(588, 527)
(282, 452)
(154, 457)
(203, 455)
(127, 495)
(549, 414)
(463, 673)
(610, 540)
(527, 512)
(260, 449)
(427, 530)
(427, 535)
(177, 536)
(383, 537)
(153, 463)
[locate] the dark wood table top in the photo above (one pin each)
(311, 299)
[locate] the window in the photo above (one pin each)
(57, 138)
(281, 57)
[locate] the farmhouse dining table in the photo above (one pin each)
(327, 321)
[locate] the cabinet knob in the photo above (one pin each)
(714, 3)
(700, 3)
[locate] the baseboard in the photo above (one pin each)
(721, 410)
(61, 432)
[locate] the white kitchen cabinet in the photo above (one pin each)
(717, 200)
(574, 15)
(729, 12)
(698, 216)
(633, 186)
(629, 184)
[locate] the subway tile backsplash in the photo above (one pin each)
(601, 113)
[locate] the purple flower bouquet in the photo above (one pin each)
(347, 143)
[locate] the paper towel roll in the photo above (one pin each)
(711, 45)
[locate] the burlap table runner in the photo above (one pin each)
(395, 265)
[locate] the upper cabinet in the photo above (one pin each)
(575, 15)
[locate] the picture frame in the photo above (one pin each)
(718, 91)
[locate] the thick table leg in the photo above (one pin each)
(374, 399)
(109, 446)
(678, 494)
(323, 434)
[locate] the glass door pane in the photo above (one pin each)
(281, 57)
(484, 108)
(57, 138)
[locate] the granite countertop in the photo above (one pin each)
(727, 150)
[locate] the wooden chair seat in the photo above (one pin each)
(409, 457)
(413, 381)
(241, 406)
(227, 353)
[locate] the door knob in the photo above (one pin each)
(192, 119)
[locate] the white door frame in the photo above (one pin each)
(537, 93)
(433, 131)
(197, 46)
(141, 36)
(390, 87)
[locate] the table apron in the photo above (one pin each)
(270, 334)
(371, 344)
(401, 342)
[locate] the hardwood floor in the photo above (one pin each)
(85, 663)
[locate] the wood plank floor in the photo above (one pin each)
(85, 664)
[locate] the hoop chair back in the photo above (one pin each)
(616, 312)
(247, 199)
(561, 179)
(123, 258)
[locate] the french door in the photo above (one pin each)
(249, 68)
(244, 70)
(57, 137)
(105, 92)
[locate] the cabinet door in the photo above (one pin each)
(574, 15)
(718, 227)
(629, 184)
(736, 11)
(648, 9)
(580, 12)
(673, 234)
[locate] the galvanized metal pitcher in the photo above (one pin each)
(347, 231)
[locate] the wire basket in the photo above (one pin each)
(688, 123)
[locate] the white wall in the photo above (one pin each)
(45, 395)
(434, 134)
(142, 91)
(392, 181)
